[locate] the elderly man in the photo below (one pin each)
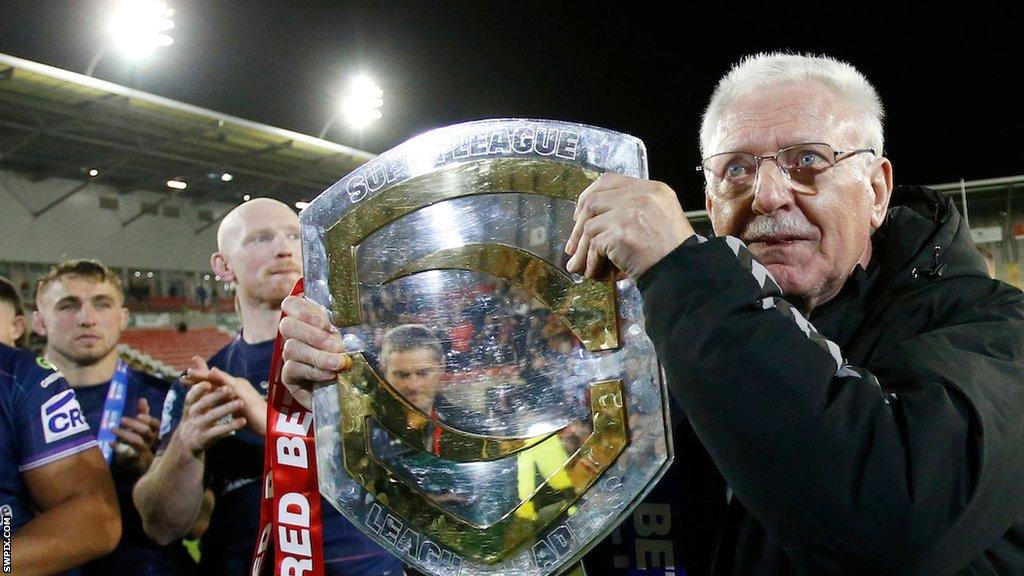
(258, 250)
(851, 370)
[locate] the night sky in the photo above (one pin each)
(949, 80)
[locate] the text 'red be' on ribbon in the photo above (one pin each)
(290, 508)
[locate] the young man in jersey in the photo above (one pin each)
(80, 310)
(13, 325)
(56, 495)
(259, 251)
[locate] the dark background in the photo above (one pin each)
(950, 79)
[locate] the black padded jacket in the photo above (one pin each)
(882, 435)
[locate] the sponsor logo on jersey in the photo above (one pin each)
(165, 416)
(236, 484)
(62, 417)
(50, 379)
(44, 363)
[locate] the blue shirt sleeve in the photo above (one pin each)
(51, 424)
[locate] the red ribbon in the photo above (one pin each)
(290, 507)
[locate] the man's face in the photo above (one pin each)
(415, 374)
(263, 255)
(12, 325)
(82, 318)
(810, 242)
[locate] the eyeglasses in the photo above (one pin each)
(732, 174)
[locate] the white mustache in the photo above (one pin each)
(772, 226)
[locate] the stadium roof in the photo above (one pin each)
(58, 123)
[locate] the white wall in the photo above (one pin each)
(79, 228)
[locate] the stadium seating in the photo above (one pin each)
(169, 351)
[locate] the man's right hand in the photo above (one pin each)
(205, 407)
(313, 352)
(254, 405)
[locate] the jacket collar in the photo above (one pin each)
(922, 240)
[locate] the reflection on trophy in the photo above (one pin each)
(500, 414)
(413, 363)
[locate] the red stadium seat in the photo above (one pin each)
(174, 348)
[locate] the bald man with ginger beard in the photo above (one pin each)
(259, 250)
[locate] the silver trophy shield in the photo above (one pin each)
(501, 415)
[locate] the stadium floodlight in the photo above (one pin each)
(136, 29)
(140, 26)
(226, 177)
(177, 184)
(301, 205)
(360, 105)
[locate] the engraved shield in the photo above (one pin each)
(501, 415)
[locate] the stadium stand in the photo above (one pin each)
(168, 351)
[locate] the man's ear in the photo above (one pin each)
(38, 326)
(20, 324)
(881, 190)
(220, 267)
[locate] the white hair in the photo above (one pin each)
(766, 70)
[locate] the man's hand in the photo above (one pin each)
(628, 222)
(205, 406)
(313, 352)
(254, 406)
(170, 497)
(138, 437)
